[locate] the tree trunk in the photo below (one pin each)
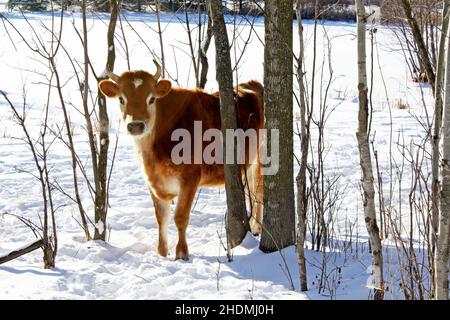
(87, 115)
(442, 254)
(362, 136)
(191, 43)
(161, 43)
(418, 39)
(101, 196)
(20, 252)
(302, 199)
(437, 129)
(203, 55)
(49, 256)
(237, 223)
(279, 205)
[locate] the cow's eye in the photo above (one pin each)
(121, 100)
(151, 100)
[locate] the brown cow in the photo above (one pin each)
(152, 109)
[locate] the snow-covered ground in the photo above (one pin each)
(128, 265)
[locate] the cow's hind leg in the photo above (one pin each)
(162, 211)
(256, 193)
(181, 217)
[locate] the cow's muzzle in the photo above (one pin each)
(136, 128)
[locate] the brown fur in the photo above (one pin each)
(178, 108)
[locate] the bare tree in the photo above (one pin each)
(438, 121)
(85, 97)
(160, 35)
(420, 42)
(203, 54)
(191, 44)
(101, 195)
(302, 198)
(442, 248)
(237, 223)
(99, 145)
(435, 79)
(39, 148)
(417, 29)
(279, 204)
(362, 136)
(48, 52)
(438, 109)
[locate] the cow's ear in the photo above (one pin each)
(109, 88)
(163, 88)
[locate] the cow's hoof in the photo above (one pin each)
(182, 257)
(163, 250)
(182, 253)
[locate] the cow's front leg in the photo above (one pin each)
(181, 216)
(162, 212)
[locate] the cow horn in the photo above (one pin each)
(158, 70)
(114, 77)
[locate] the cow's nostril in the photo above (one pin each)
(136, 127)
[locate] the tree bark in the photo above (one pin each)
(161, 43)
(203, 55)
(279, 205)
(87, 116)
(442, 248)
(437, 128)
(418, 39)
(101, 196)
(191, 44)
(20, 252)
(362, 136)
(237, 223)
(302, 199)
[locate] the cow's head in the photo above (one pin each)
(137, 92)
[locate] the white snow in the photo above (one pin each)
(128, 266)
(100, 226)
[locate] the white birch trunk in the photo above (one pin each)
(362, 136)
(438, 106)
(442, 254)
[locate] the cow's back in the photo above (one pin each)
(181, 108)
